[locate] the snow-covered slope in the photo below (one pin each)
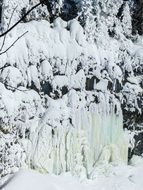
(107, 177)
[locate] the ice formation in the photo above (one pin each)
(69, 133)
(63, 87)
(89, 139)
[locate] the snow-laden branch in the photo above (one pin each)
(13, 43)
(7, 28)
(28, 12)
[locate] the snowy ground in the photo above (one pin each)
(108, 178)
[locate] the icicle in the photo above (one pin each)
(95, 139)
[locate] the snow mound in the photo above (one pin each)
(108, 177)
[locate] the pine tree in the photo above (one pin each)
(86, 18)
(54, 8)
(137, 17)
(69, 10)
(126, 20)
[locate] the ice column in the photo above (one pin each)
(93, 139)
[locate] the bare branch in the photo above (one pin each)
(15, 88)
(28, 12)
(13, 43)
(7, 31)
(6, 65)
(8, 28)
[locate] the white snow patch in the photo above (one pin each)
(108, 177)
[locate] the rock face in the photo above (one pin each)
(68, 87)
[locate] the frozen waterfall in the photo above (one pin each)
(92, 139)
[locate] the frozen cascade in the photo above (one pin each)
(93, 139)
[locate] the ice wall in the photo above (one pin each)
(92, 139)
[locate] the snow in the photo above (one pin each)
(12, 76)
(80, 130)
(76, 32)
(45, 41)
(46, 70)
(70, 133)
(136, 161)
(107, 177)
(78, 80)
(53, 54)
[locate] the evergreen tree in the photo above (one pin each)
(126, 20)
(69, 10)
(137, 17)
(54, 8)
(87, 18)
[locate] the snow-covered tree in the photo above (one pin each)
(126, 20)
